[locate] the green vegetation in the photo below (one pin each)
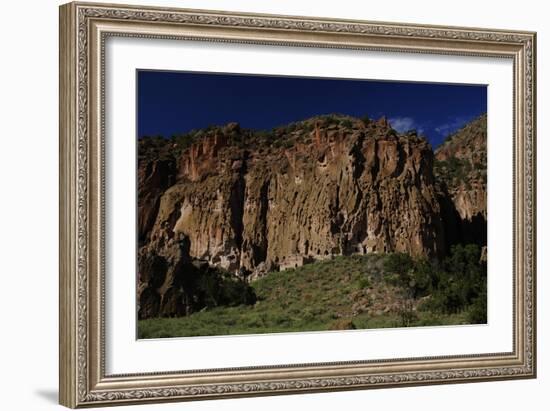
(154, 146)
(281, 137)
(457, 170)
(216, 287)
(329, 119)
(456, 285)
(366, 120)
(454, 169)
(353, 292)
(346, 123)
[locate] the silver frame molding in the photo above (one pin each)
(83, 30)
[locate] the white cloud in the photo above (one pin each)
(402, 124)
(452, 126)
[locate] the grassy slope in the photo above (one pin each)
(342, 293)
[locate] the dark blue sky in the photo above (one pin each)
(176, 102)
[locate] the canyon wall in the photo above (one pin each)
(252, 202)
(461, 171)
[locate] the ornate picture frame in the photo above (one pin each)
(84, 29)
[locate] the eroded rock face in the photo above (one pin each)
(252, 203)
(173, 284)
(155, 174)
(335, 187)
(461, 170)
(166, 277)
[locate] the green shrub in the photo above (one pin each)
(477, 313)
(216, 287)
(363, 282)
(331, 119)
(399, 264)
(406, 314)
(277, 143)
(461, 282)
(458, 283)
(346, 123)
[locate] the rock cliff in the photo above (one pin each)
(253, 202)
(461, 170)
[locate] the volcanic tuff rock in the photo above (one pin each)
(461, 170)
(252, 202)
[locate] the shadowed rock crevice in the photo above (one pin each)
(237, 199)
(260, 250)
(474, 230)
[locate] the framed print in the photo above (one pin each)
(259, 204)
